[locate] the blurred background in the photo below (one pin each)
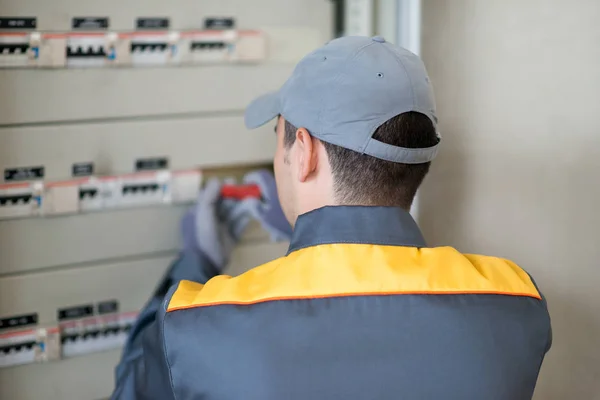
(113, 113)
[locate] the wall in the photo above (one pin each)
(517, 85)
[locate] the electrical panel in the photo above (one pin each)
(39, 199)
(113, 117)
(89, 314)
(130, 49)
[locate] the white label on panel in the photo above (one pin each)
(52, 50)
(185, 186)
(251, 46)
(61, 198)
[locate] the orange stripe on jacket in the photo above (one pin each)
(335, 270)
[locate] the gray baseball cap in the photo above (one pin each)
(342, 92)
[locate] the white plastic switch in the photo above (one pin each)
(121, 48)
(61, 198)
(29, 346)
(95, 334)
(48, 344)
(153, 48)
(251, 46)
(20, 200)
(52, 50)
(90, 194)
(185, 186)
(16, 50)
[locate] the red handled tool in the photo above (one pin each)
(240, 192)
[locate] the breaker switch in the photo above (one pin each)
(16, 50)
(208, 45)
(20, 200)
(89, 50)
(151, 48)
(29, 346)
(15, 200)
(94, 334)
(87, 193)
(133, 189)
(92, 194)
(144, 188)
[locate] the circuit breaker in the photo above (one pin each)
(115, 115)
(17, 50)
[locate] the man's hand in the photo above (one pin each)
(268, 210)
(214, 225)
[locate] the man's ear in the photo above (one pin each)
(306, 154)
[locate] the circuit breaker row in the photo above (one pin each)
(130, 49)
(70, 338)
(38, 198)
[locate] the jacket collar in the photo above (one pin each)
(356, 224)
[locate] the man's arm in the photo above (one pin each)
(143, 372)
(210, 230)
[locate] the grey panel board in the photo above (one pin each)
(31, 244)
(115, 146)
(89, 377)
(184, 14)
(129, 282)
(41, 96)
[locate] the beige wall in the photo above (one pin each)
(518, 91)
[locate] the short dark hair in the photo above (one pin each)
(365, 180)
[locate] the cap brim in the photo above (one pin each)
(262, 110)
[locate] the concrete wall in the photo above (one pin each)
(518, 91)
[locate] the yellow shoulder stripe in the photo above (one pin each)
(335, 270)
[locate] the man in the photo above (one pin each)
(360, 307)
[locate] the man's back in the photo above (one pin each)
(360, 307)
(359, 311)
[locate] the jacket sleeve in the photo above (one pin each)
(545, 305)
(143, 371)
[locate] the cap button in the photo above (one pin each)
(378, 39)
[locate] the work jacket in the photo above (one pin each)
(359, 308)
